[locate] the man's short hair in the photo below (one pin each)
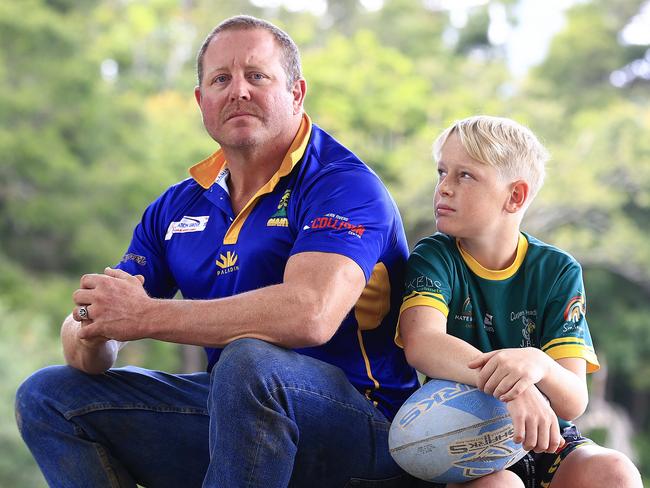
(506, 145)
(290, 53)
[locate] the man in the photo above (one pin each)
(288, 252)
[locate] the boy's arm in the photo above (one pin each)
(506, 373)
(432, 351)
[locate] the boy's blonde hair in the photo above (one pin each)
(502, 143)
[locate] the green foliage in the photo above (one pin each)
(28, 343)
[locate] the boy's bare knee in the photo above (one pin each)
(597, 467)
(613, 469)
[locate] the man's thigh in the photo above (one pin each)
(154, 424)
(298, 413)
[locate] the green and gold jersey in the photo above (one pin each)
(539, 301)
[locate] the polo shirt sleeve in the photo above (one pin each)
(428, 280)
(565, 333)
(347, 210)
(146, 253)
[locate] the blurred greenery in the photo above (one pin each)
(98, 117)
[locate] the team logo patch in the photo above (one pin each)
(279, 218)
(227, 263)
(187, 224)
(575, 309)
(336, 222)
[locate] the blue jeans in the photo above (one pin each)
(265, 417)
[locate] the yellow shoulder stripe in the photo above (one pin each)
(434, 300)
(575, 351)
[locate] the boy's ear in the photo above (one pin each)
(519, 192)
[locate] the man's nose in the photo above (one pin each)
(239, 89)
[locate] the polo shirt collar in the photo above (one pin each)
(214, 167)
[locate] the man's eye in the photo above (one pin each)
(220, 79)
(257, 76)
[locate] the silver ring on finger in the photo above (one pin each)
(83, 313)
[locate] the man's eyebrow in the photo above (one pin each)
(218, 68)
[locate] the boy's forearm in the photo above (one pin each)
(565, 387)
(443, 356)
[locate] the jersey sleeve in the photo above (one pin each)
(146, 254)
(428, 280)
(347, 211)
(565, 333)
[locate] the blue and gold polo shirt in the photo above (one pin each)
(322, 199)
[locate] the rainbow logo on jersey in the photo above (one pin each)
(576, 309)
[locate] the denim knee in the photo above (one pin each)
(35, 390)
(250, 357)
(250, 366)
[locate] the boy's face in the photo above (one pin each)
(470, 197)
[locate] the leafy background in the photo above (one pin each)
(97, 117)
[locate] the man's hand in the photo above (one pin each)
(535, 422)
(114, 302)
(506, 373)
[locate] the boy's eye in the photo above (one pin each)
(441, 172)
(465, 175)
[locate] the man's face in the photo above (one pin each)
(243, 95)
(470, 196)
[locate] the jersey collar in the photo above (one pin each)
(501, 274)
(206, 172)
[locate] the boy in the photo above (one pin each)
(490, 306)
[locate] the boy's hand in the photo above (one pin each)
(535, 422)
(507, 373)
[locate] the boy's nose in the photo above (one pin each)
(444, 189)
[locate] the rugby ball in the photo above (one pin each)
(448, 432)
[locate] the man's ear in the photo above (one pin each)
(519, 194)
(197, 94)
(298, 91)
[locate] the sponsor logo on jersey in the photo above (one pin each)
(279, 218)
(487, 322)
(467, 314)
(141, 260)
(424, 283)
(575, 309)
(523, 313)
(336, 222)
(187, 224)
(227, 263)
(527, 332)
